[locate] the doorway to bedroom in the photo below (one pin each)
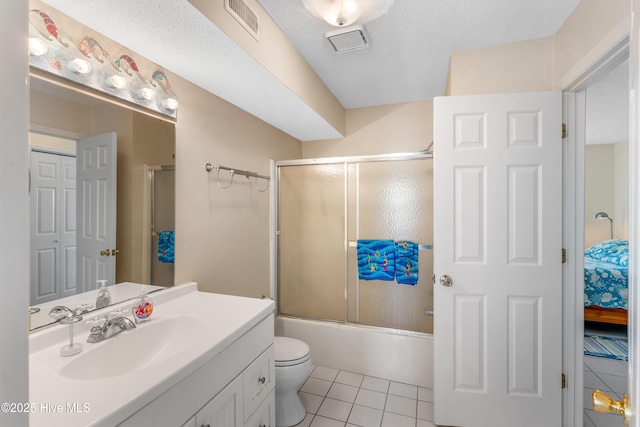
(606, 234)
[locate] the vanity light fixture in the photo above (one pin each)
(37, 47)
(80, 66)
(170, 104)
(116, 82)
(342, 13)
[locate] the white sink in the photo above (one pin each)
(152, 342)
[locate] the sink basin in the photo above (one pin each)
(152, 342)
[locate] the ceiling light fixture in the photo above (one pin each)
(341, 13)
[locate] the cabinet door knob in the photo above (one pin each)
(262, 380)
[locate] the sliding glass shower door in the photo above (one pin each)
(323, 210)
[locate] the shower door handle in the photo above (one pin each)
(446, 280)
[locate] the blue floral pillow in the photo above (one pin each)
(611, 251)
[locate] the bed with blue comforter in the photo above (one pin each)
(606, 277)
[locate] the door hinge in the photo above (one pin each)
(564, 130)
(564, 381)
(564, 255)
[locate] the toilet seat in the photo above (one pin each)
(290, 351)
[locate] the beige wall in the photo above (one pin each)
(546, 64)
(606, 190)
(48, 141)
(383, 129)
(515, 67)
(599, 194)
(222, 235)
(590, 31)
(621, 183)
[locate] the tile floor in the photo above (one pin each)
(334, 398)
(608, 375)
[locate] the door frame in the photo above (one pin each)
(574, 108)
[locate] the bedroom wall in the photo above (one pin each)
(599, 186)
(606, 190)
(621, 219)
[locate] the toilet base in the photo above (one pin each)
(289, 409)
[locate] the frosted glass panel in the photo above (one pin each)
(311, 243)
(385, 200)
(394, 201)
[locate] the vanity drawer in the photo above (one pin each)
(259, 380)
(265, 415)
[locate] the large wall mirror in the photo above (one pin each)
(118, 228)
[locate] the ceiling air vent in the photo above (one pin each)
(244, 15)
(347, 39)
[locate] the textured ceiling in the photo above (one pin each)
(608, 108)
(407, 61)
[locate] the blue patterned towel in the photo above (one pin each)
(406, 263)
(376, 260)
(166, 244)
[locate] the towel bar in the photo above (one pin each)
(421, 247)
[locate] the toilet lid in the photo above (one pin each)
(290, 351)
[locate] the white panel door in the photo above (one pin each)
(67, 225)
(497, 237)
(96, 210)
(45, 227)
(53, 228)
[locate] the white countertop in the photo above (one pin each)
(119, 293)
(57, 400)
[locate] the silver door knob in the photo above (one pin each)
(446, 280)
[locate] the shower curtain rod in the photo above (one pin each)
(209, 167)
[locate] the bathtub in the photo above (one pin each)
(405, 357)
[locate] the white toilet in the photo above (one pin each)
(293, 365)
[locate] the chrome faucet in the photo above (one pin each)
(110, 328)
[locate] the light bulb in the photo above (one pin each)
(144, 93)
(37, 47)
(116, 82)
(170, 104)
(80, 66)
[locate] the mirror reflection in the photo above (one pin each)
(102, 200)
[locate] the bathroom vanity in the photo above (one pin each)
(201, 360)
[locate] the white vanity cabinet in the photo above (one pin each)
(202, 359)
(233, 389)
(249, 397)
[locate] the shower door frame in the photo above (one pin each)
(275, 224)
(150, 171)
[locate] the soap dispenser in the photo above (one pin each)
(104, 296)
(143, 308)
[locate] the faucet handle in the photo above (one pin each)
(121, 312)
(83, 308)
(95, 322)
